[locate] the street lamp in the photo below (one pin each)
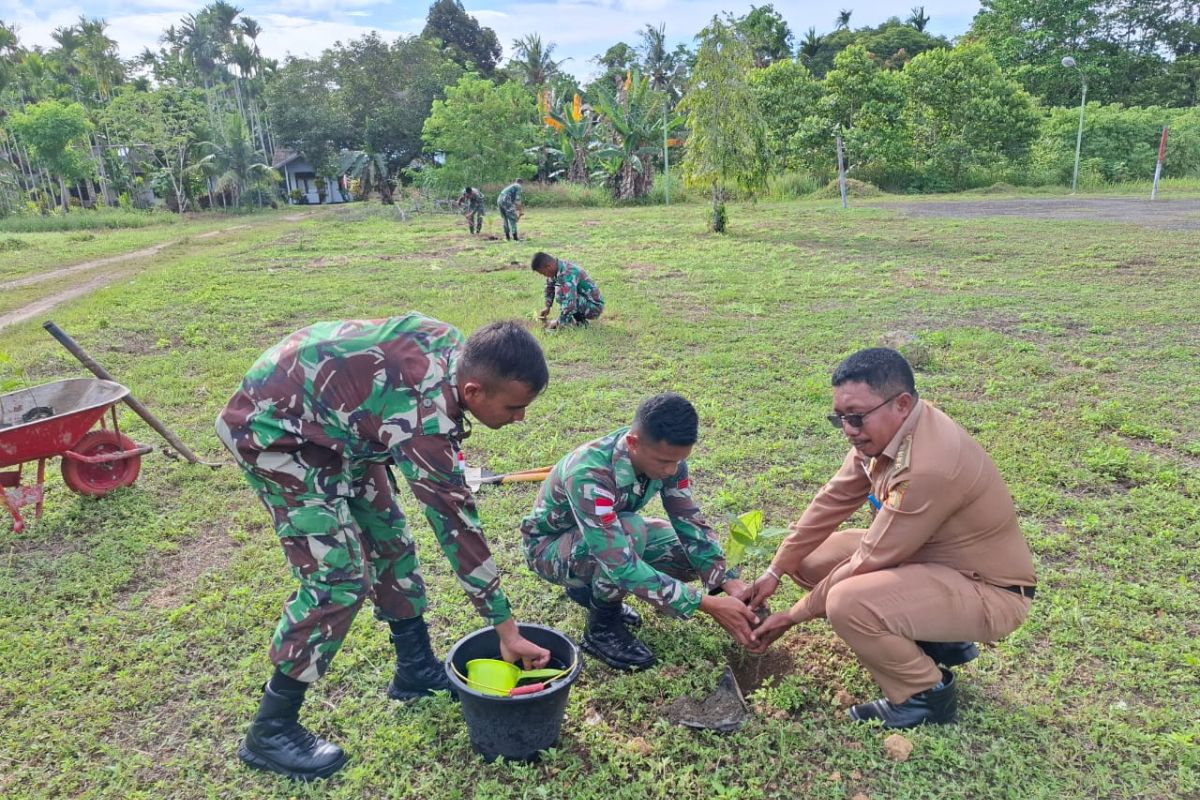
(1069, 62)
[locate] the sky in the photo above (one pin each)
(580, 29)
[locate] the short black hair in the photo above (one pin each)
(883, 369)
(467, 190)
(504, 351)
(667, 418)
(542, 259)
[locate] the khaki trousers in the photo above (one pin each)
(882, 614)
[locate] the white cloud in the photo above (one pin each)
(299, 36)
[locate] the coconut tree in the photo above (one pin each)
(532, 61)
(842, 21)
(918, 18)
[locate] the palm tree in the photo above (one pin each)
(810, 46)
(235, 165)
(665, 70)
(918, 18)
(531, 58)
(843, 19)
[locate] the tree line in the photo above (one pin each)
(198, 121)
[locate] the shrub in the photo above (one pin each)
(97, 220)
(854, 188)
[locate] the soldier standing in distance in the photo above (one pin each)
(578, 296)
(471, 202)
(585, 533)
(943, 564)
(511, 206)
(314, 425)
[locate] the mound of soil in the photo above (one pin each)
(854, 188)
(723, 711)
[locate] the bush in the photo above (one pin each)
(790, 185)
(559, 195)
(10, 244)
(854, 188)
(93, 220)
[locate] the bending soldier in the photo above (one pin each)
(471, 202)
(511, 207)
(578, 296)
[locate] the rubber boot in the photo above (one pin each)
(418, 671)
(277, 742)
(950, 654)
(607, 638)
(932, 706)
(583, 595)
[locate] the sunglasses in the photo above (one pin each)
(856, 420)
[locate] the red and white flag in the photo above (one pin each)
(604, 510)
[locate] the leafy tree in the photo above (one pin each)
(468, 44)
(386, 92)
(531, 61)
(965, 114)
(235, 164)
(617, 61)
(159, 129)
(787, 95)
(894, 43)
(1137, 52)
(305, 106)
(767, 34)
(727, 144)
(54, 133)
(483, 131)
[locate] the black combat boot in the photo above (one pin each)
(935, 706)
(277, 742)
(950, 654)
(418, 671)
(583, 596)
(607, 638)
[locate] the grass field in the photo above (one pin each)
(133, 629)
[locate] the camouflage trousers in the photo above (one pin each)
(586, 310)
(509, 215)
(474, 217)
(566, 560)
(341, 550)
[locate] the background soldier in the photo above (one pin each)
(578, 296)
(317, 419)
(585, 534)
(471, 202)
(511, 208)
(943, 564)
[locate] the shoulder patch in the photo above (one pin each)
(896, 496)
(904, 453)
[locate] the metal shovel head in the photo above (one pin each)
(723, 711)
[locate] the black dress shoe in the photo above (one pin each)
(932, 706)
(950, 654)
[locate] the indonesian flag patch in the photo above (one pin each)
(684, 484)
(604, 510)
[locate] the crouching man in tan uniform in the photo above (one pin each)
(943, 564)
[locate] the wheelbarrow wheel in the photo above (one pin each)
(97, 480)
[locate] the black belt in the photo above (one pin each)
(1024, 591)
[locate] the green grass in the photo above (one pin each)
(133, 629)
(85, 219)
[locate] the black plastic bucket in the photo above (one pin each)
(517, 728)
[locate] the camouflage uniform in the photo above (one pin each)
(585, 530)
(507, 201)
(578, 296)
(317, 419)
(473, 208)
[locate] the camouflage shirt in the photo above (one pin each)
(592, 485)
(509, 196)
(571, 287)
(337, 395)
(471, 201)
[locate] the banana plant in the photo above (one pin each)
(634, 115)
(574, 123)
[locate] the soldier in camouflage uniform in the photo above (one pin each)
(578, 296)
(314, 426)
(511, 208)
(471, 201)
(585, 533)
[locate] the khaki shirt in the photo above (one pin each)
(942, 502)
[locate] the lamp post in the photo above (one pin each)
(1069, 62)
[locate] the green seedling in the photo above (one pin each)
(750, 537)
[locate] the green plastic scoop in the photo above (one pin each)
(496, 677)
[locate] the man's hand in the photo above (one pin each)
(545, 312)
(736, 588)
(771, 629)
(552, 325)
(515, 648)
(762, 589)
(732, 615)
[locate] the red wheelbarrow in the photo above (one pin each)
(56, 419)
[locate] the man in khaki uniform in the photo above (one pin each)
(943, 564)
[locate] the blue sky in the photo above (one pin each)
(581, 29)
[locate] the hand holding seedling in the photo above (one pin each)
(732, 615)
(516, 648)
(762, 589)
(771, 629)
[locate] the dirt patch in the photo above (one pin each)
(1143, 446)
(724, 710)
(1182, 215)
(821, 658)
(46, 303)
(83, 267)
(176, 575)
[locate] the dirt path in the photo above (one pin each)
(1179, 215)
(97, 281)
